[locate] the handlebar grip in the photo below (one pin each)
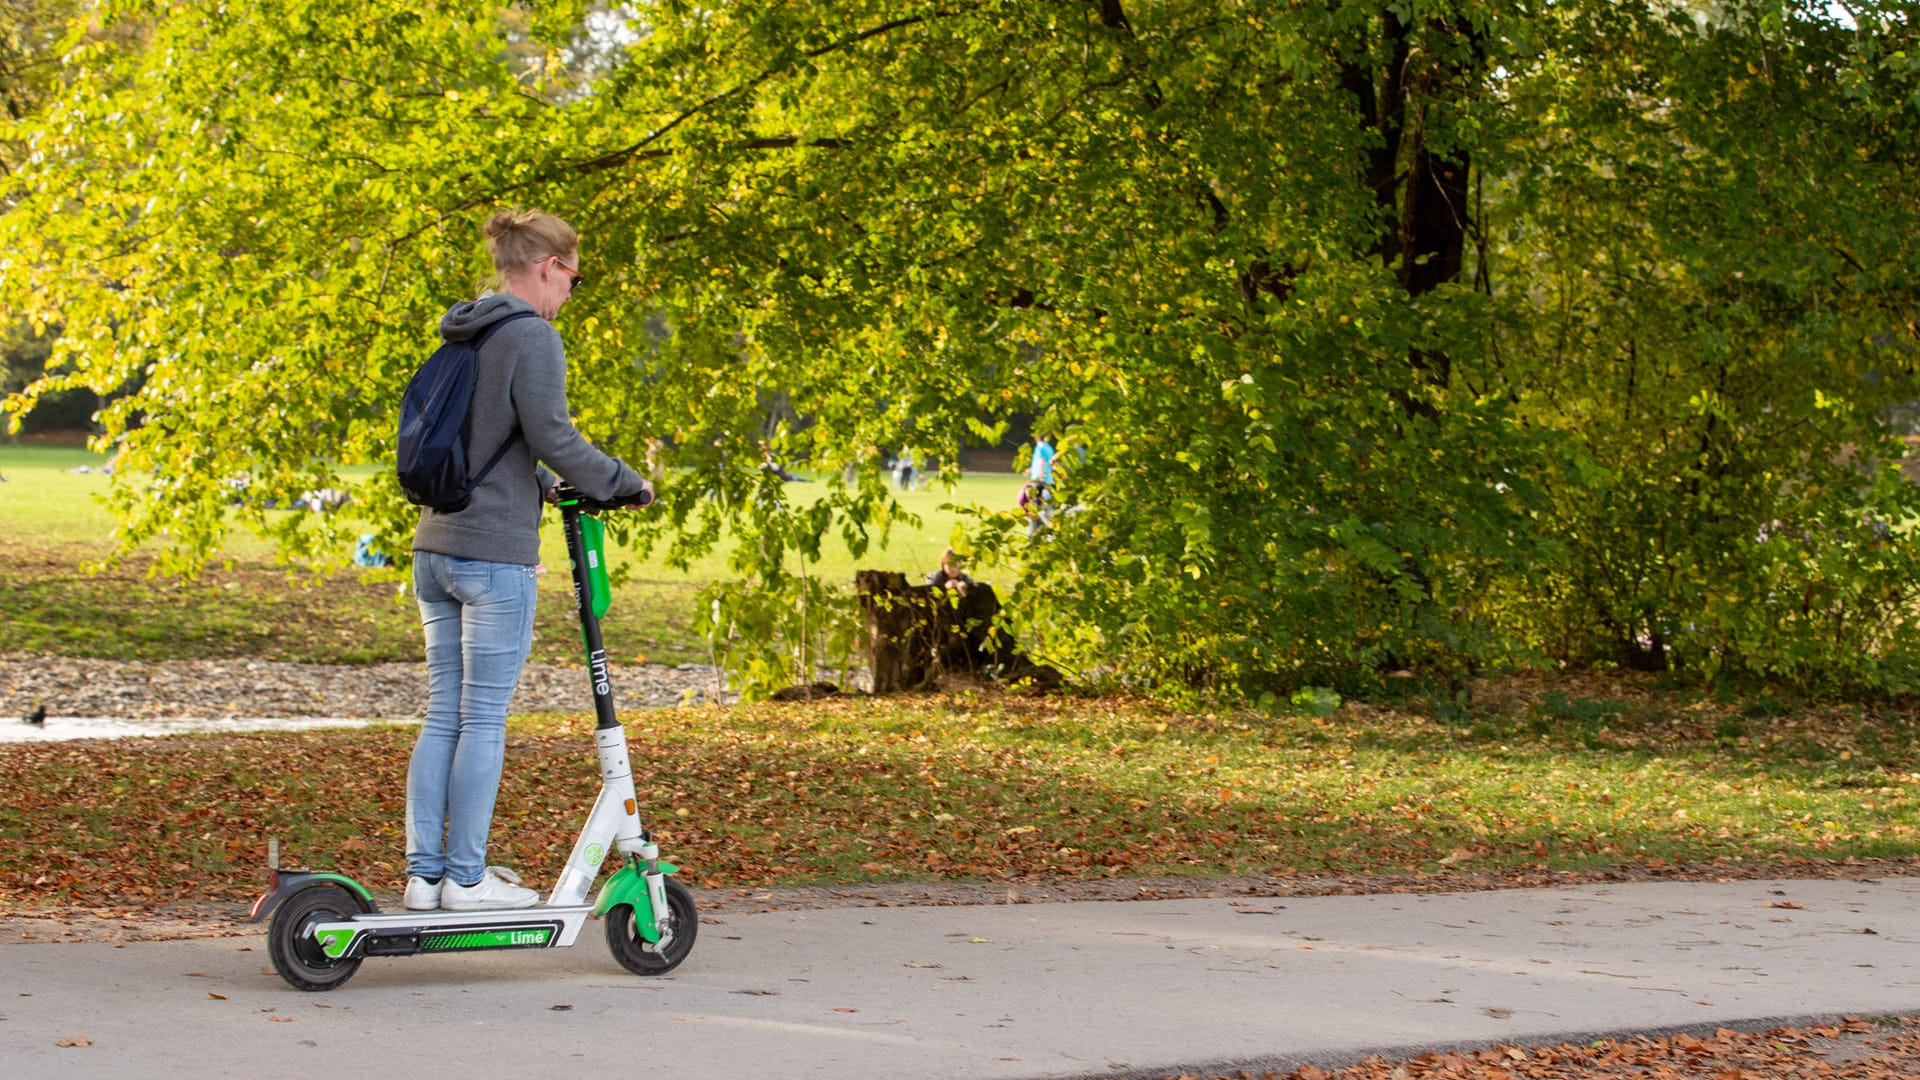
(572, 496)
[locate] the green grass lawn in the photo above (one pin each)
(51, 525)
(1003, 787)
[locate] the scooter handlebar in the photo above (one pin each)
(574, 497)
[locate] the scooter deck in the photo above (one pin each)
(405, 933)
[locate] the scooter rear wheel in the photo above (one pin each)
(643, 957)
(295, 953)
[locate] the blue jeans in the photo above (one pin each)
(478, 618)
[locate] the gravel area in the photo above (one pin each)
(239, 688)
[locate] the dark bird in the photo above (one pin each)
(38, 717)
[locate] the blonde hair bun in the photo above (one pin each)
(516, 239)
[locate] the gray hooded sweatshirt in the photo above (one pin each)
(522, 381)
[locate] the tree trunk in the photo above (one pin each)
(917, 633)
(899, 641)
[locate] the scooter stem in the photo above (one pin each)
(589, 568)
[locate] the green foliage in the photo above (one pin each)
(1724, 317)
(768, 639)
(1374, 336)
(23, 358)
(30, 32)
(1316, 701)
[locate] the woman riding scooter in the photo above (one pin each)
(474, 571)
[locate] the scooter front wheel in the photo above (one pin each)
(291, 945)
(643, 957)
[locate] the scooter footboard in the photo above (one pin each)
(407, 933)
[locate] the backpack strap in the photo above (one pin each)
(488, 332)
(474, 480)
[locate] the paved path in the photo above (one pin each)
(1010, 991)
(69, 728)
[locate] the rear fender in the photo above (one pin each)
(284, 883)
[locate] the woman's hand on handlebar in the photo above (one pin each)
(570, 496)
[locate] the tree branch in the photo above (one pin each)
(619, 157)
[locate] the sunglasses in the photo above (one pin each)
(573, 274)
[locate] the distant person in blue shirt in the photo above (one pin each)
(1041, 467)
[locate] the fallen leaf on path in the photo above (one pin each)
(77, 1040)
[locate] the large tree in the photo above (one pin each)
(1374, 334)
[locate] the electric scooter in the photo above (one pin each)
(324, 924)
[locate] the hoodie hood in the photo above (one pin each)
(468, 318)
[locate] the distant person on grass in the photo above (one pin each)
(952, 573)
(1040, 469)
(1036, 502)
(474, 571)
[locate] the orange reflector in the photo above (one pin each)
(630, 806)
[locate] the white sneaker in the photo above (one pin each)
(498, 888)
(422, 896)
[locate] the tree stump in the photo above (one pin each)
(916, 633)
(899, 636)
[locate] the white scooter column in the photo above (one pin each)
(613, 824)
